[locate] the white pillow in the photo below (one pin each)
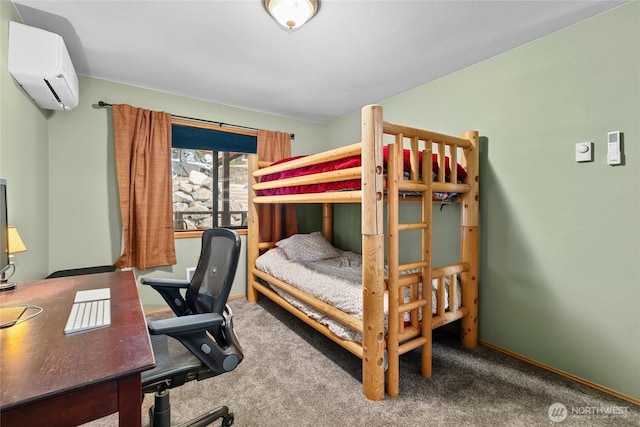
(307, 247)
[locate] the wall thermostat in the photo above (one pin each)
(584, 152)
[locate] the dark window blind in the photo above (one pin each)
(209, 139)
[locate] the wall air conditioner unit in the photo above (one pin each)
(39, 61)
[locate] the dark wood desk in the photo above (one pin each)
(49, 378)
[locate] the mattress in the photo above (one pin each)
(347, 185)
(336, 281)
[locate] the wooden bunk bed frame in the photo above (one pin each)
(376, 191)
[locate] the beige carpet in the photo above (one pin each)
(292, 376)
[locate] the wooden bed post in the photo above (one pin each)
(394, 174)
(427, 246)
(253, 232)
(469, 245)
(372, 254)
(327, 221)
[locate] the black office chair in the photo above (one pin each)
(206, 345)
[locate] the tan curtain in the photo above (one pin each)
(276, 221)
(143, 166)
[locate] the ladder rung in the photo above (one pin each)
(410, 345)
(409, 279)
(403, 308)
(413, 226)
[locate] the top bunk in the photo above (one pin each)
(373, 167)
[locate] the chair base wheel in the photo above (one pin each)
(228, 420)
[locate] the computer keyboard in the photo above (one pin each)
(91, 309)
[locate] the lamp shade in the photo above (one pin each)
(16, 245)
(291, 13)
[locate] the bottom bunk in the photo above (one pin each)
(337, 281)
(322, 285)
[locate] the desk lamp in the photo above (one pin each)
(16, 245)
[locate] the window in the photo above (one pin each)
(210, 175)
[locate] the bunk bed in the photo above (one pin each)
(380, 171)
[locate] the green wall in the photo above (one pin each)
(560, 240)
(24, 162)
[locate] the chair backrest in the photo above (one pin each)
(213, 278)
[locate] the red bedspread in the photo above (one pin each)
(348, 162)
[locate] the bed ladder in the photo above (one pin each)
(401, 338)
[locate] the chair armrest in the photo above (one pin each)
(165, 283)
(185, 324)
(169, 290)
(197, 332)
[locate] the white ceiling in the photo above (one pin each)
(350, 54)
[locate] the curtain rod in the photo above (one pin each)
(221, 124)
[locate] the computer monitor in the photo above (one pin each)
(4, 235)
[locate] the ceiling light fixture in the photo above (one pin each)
(291, 14)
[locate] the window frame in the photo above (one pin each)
(186, 234)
